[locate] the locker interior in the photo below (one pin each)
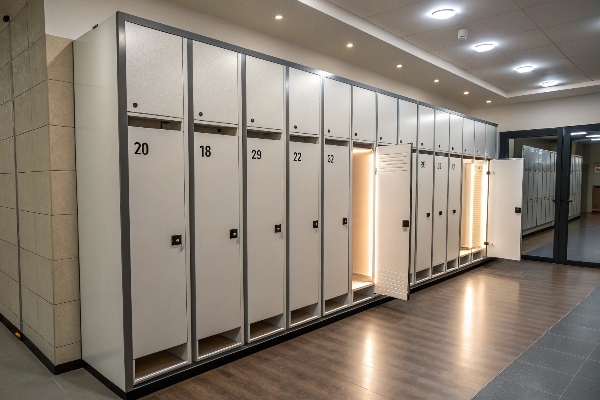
(474, 210)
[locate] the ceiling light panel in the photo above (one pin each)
(549, 83)
(443, 13)
(524, 68)
(482, 47)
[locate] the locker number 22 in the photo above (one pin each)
(297, 156)
(205, 151)
(142, 148)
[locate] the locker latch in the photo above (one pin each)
(428, 215)
(315, 224)
(440, 213)
(489, 172)
(486, 243)
(517, 210)
(453, 211)
(344, 221)
(405, 223)
(233, 234)
(278, 228)
(176, 240)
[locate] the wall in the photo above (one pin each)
(39, 147)
(567, 111)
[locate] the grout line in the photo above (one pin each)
(574, 376)
(525, 387)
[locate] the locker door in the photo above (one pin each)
(479, 139)
(456, 133)
(468, 137)
(504, 220)
(387, 119)
(304, 262)
(491, 134)
(454, 208)
(424, 211)
(215, 77)
(264, 94)
(392, 221)
(305, 102)
(158, 267)
(335, 224)
(408, 122)
(531, 214)
(426, 128)
(336, 109)
(442, 131)
(440, 210)
(264, 213)
(154, 72)
(217, 212)
(364, 113)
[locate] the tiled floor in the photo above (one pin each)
(563, 364)
(24, 377)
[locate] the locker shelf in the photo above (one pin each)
(465, 258)
(437, 269)
(361, 281)
(152, 365)
(452, 264)
(363, 294)
(422, 275)
(304, 314)
(154, 123)
(216, 129)
(336, 303)
(266, 327)
(218, 343)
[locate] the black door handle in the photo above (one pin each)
(176, 240)
(517, 210)
(315, 224)
(428, 215)
(344, 221)
(278, 228)
(233, 234)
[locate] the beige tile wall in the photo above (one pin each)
(42, 78)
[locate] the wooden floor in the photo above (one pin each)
(447, 342)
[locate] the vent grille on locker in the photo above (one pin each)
(394, 162)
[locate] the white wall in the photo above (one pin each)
(566, 111)
(72, 18)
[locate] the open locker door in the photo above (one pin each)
(505, 198)
(392, 220)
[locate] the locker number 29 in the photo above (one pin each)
(256, 155)
(205, 150)
(330, 158)
(142, 148)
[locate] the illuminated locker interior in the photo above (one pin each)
(474, 210)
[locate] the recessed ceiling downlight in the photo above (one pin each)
(443, 13)
(349, 45)
(549, 83)
(481, 47)
(279, 16)
(524, 68)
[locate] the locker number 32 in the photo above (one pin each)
(330, 158)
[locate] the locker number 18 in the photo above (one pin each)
(205, 151)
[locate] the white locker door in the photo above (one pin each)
(305, 102)
(265, 242)
(426, 128)
(454, 208)
(479, 139)
(364, 114)
(468, 137)
(505, 199)
(392, 222)
(442, 131)
(305, 267)
(154, 72)
(408, 125)
(490, 141)
(424, 211)
(336, 204)
(264, 94)
(157, 234)
(456, 133)
(215, 77)
(413, 214)
(217, 226)
(387, 119)
(440, 208)
(336, 109)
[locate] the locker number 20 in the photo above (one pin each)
(142, 148)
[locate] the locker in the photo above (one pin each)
(387, 119)
(264, 94)
(456, 133)
(530, 213)
(335, 220)
(424, 211)
(215, 75)
(442, 131)
(479, 139)
(468, 137)
(157, 234)
(440, 211)
(413, 215)
(408, 122)
(304, 258)
(364, 114)
(154, 72)
(218, 271)
(305, 102)
(392, 219)
(491, 137)
(524, 215)
(265, 243)
(336, 109)
(454, 208)
(426, 128)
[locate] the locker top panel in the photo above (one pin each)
(426, 128)
(264, 94)
(364, 114)
(408, 122)
(442, 131)
(336, 112)
(387, 119)
(305, 102)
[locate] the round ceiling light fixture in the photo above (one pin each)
(443, 13)
(466, 93)
(436, 80)
(481, 47)
(549, 83)
(524, 68)
(279, 16)
(349, 45)
(399, 66)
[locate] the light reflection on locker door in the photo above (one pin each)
(440, 206)
(157, 216)
(424, 211)
(265, 245)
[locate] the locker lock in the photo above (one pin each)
(233, 234)
(278, 228)
(401, 142)
(295, 126)
(405, 223)
(176, 240)
(428, 215)
(453, 211)
(440, 213)
(328, 130)
(315, 224)
(380, 138)
(252, 120)
(200, 113)
(344, 221)
(453, 148)
(517, 210)
(135, 105)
